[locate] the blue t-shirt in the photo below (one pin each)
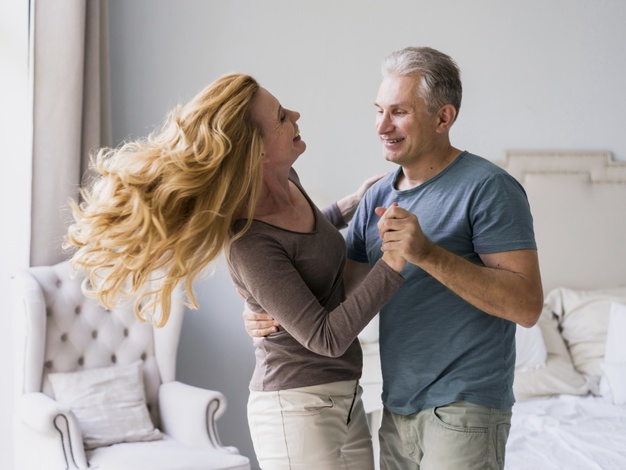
(435, 347)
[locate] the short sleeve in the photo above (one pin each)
(501, 217)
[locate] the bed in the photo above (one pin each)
(570, 380)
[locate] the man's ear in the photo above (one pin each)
(446, 116)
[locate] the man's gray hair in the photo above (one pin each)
(440, 76)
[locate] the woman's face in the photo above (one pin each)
(279, 131)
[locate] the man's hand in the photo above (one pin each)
(391, 256)
(260, 324)
(401, 232)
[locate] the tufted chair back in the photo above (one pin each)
(77, 333)
(59, 330)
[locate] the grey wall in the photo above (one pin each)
(537, 75)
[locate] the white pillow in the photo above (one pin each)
(615, 373)
(614, 365)
(530, 350)
(615, 348)
(109, 404)
(558, 376)
(583, 319)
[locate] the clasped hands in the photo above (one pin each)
(402, 241)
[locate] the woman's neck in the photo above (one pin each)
(283, 205)
(276, 195)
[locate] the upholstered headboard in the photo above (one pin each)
(578, 201)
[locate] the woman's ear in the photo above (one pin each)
(264, 159)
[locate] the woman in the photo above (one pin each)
(218, 177)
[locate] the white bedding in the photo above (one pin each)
(567, 433)
(571, 390)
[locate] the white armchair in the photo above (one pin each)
(62, 339)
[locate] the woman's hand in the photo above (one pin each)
(390, 256)
(402, 234)
(258, 324)
(347, 205)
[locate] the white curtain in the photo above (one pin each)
(70, 97)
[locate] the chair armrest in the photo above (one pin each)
(52, 422)
(189, 415)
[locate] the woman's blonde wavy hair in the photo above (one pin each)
(162, 208)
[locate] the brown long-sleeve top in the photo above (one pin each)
(298, 279)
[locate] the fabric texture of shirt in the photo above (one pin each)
(298, 279)
(435, 347)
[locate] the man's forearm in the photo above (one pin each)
(508, 286)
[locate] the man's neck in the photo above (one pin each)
(425, 169)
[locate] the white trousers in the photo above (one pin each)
(322, 427)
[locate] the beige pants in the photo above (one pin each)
(322, 427)
(458, 436)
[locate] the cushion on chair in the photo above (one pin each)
(109, 404)
(165, 454)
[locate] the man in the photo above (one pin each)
(447, 337)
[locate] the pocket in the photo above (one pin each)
(502, 436)
(460, 418)
(303, 404)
